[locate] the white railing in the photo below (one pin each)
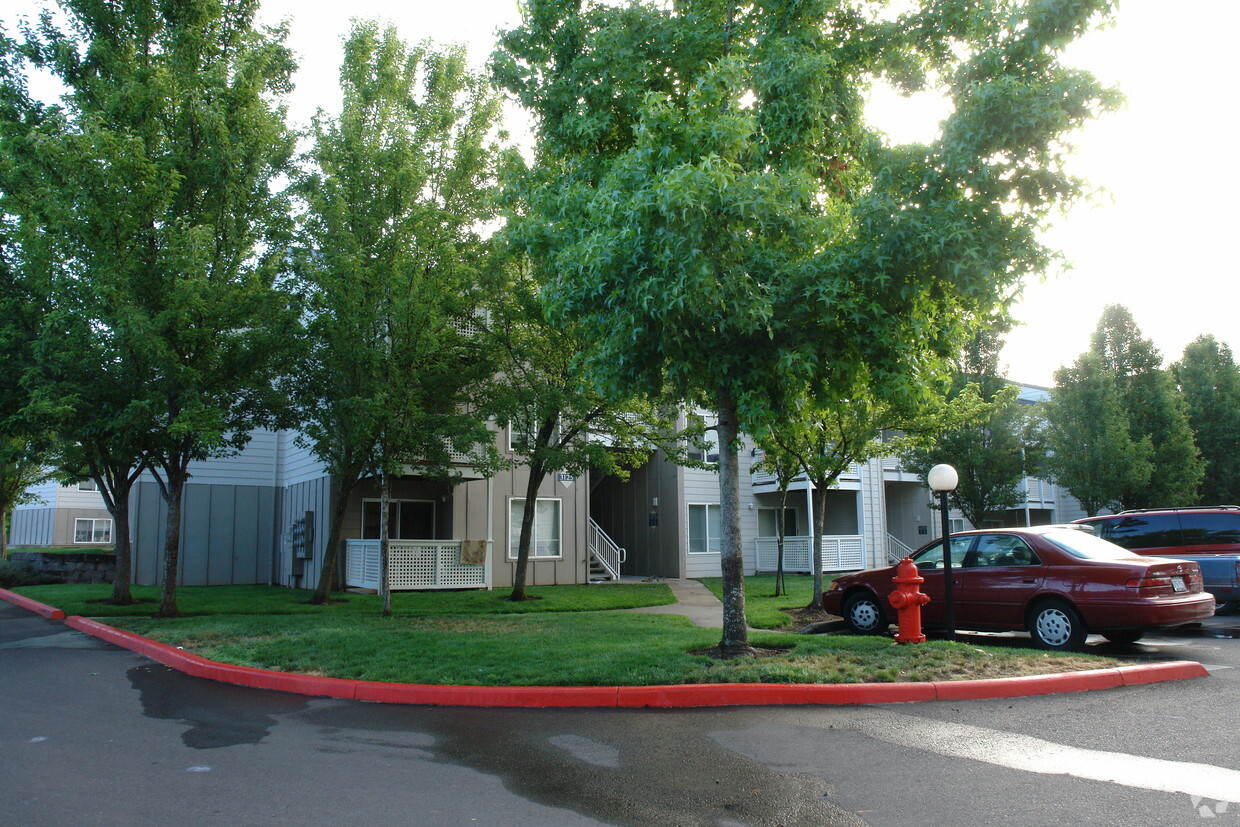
(896, 550)
(840, 552)
(415, 564)
(765, 478)
(604, 549)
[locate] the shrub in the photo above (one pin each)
(14, 573)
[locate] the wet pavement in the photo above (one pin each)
(92, 734)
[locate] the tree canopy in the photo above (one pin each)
(722, 220)
(161, 175)
(389, 265)
(1209, 379)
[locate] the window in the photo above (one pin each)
(931, 557)
(1210, 529)
(1144, 531)
(768, 522)
(705, 528)
(522, 432)
(545, 542)
(407, 519)
(92, 531)
(710, 453)
(87, 485)
(1002, 550)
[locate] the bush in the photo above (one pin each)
(13, 574)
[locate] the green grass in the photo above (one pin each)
(589, 649)
(762, 609)
(91, 601)
(476, 637)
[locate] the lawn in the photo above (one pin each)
(564, 639)
(762, 609)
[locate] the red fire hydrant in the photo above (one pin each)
(908, 600)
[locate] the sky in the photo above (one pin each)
(1158, 240)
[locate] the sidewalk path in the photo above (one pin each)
(694, 601)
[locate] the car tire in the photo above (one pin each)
(1124, 635)
(1227, 608)
(1056, 625)
(863, 614)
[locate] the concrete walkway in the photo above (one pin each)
(693, 600)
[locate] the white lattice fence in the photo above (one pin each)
(839, 553)
(414, 564)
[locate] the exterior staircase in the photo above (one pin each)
(605, 555)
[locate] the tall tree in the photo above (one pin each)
(722, 221)
(1155, 408)
(784, 467)
(165, 170)
(396, 189)
(25, 444)
(989, 453)
(1209, 379)
(559, 419)
(1090, 448)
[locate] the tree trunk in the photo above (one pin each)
(385, 587)
(4, 534)
(820, 518)
(118, 507)
(331, 554)
(537, 472)
(779, 544)
(173, 490)
(735, 639)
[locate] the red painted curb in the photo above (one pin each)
(1176, 670)
(35, 606)
(636, 697)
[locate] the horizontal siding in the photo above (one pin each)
(299, 463)
(41, 496)
(70, 497)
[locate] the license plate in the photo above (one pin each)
(1177, 584)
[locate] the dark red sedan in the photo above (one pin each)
(1058, 582)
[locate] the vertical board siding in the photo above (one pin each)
(32, 526)
(311, 495)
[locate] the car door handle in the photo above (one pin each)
(1030, 580)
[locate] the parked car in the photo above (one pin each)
(1058, 582)
(1207, 535)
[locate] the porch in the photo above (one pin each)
(840, 552)
(415, 564)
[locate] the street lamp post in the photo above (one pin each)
(942, 479)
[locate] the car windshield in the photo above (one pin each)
(1086, 546)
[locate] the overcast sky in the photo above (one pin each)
(1160, 242)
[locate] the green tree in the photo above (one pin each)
(723, 222)
(170, 150)
(1209, 379)
(559, 419)
(785, 467)
(1155, 408)
(1090, 448)
(989, 453)
(388, 263)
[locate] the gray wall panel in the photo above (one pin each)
(222, 534)
(195, 536)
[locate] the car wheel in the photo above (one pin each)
(1228, 607)
(1124, 635)
(1054, 624)
(863, 614)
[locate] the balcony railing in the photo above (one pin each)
(840, 552)
(415, 564)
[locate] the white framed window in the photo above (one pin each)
(522, 432)
(957, 524)
(545, 542)
(705, 528)
(87, 485)
(407, 519)
(768, 522)
(86, 530)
